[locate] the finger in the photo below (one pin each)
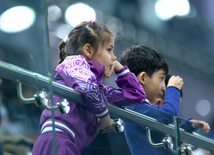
(108, 72)
(98, 129)
(207, 127)
(105, 130)
(111, 69)
(102, 131)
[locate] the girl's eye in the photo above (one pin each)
(162, 78)
(109, 49)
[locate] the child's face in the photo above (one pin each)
(105, 55)
(159, 101)
(154, 86)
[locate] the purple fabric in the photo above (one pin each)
(88, 81)
(84, 76)
(44, 144)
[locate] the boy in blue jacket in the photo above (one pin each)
(151, 68)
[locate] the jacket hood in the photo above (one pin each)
(96, 68)
(93, 65)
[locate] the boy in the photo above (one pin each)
(186, 124)
(151, 68)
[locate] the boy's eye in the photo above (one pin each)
(162, 78)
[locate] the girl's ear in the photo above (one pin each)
(142, 78)
(87, 51)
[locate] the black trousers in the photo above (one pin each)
(108, 144)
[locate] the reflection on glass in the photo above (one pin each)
(24, 43)
(198, 129)
(82, 120)
(23, 14)
(19, 121)
(161, 126)
(160, 117)
(160, 132)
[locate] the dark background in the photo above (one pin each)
(186, 43)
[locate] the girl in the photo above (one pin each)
(86, 55)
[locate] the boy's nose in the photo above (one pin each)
(163, 87)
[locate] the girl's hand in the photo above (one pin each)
(117, 66)
(109, 70)
(176, 81)
(103, 124)
(107, 129)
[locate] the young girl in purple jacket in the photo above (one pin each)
(86, 56)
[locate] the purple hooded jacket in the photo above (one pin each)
(84, 76)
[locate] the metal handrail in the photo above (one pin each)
(39, 81)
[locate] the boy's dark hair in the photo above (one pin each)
(141, 58)
(86, 32)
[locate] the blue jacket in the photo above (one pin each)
(136, 135)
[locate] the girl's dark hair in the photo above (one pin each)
(94, 34)
(141, 58)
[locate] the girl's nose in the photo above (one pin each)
(114, 57)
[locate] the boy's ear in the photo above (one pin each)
(142, 77)
(87, 50)
(159, 101)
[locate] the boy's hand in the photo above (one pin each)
(176, 81)
(201, 123)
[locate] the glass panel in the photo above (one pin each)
(161, 130)
(177, 135)
(27, 48)
(159, 123)
(23, 43)
(193, 133)
(150, 121)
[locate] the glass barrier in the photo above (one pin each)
(23, 43)
(148, 123)
(197, 129)
(156, 126)
(26, 78)
(160, 131)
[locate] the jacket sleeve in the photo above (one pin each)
(130, 93)
(83, 80)
(188, 126)
(171, 104)
(163, 113)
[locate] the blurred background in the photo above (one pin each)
(182, 30)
